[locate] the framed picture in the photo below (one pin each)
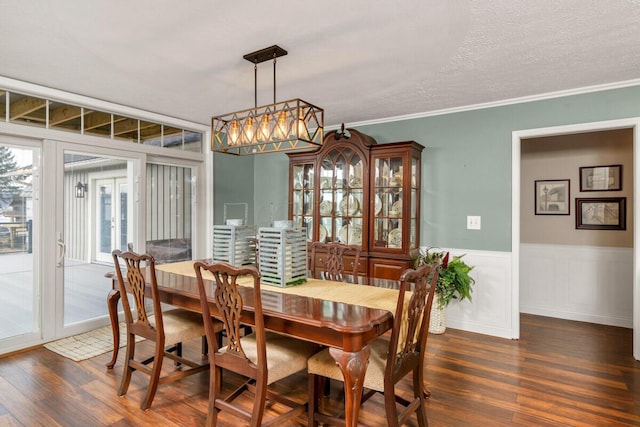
(601, 178)
(552, 197)
(602, 213)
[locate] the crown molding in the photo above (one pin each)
(502, 103)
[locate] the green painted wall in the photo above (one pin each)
(466, 163)
(271, 188)
(233, 183)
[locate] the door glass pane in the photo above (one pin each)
(105, 217)
(169, 212)
(122, 219)
(19, 314)
(95, 223)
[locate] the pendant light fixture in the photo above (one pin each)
(281, 126)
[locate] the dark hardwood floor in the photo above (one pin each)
(560, 373)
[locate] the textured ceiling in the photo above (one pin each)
(359, 59)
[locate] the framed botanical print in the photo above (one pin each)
(602, 213)
(601, 178)
(552, 197)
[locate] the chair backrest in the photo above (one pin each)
(229, 303)
(411, 321)
(331, 264)
(137, 268)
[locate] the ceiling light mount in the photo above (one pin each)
(265, 54)
(281, 126)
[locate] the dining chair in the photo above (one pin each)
(261, 357)
(328, 261)
(391, 359)
(166, 329)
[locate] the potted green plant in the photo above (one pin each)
(454, 283)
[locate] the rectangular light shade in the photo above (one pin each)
(283, 126)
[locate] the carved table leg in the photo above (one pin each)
(427, 393)
(353, 367)
(112, 304)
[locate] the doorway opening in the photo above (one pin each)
(517, 137)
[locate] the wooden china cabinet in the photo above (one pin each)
(355, 191)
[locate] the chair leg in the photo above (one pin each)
(178, 353)
(259, 403)
(205, 346)
(420, 393)
(390, 409)
(214, 390)
(154, 381)
(314, 390)
(127, 371)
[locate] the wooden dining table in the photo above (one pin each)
(347, 328)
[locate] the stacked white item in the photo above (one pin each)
(282, 256)
(235, 244)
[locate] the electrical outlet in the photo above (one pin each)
(473, 223)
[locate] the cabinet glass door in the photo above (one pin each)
(415, 175)
(389, 202)
(302, 214)
(341, 198)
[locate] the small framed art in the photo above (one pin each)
(602, 213)
(601, 178)
(552, 197)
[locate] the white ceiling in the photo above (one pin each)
(360, 60)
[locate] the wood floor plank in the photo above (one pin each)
(560, 373)
(7, 420)
(22, 407)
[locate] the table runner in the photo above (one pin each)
(373, 297)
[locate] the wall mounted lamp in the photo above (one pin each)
(81, 190)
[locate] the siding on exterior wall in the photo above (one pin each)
(76, 220)
(169, 207)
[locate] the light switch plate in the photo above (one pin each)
(473, 223)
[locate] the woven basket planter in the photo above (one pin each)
(438, 320)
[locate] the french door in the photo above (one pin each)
(20, 225)
(63, 208)
(111, 207)
(92, 220)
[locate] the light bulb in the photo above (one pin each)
(249, 131)
(301, 127)
(234, 133)
(280, 130)
(263, 131)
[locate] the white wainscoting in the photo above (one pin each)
(489, 312)
(584, 283)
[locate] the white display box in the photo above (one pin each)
(235, 244)
(282, 255)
